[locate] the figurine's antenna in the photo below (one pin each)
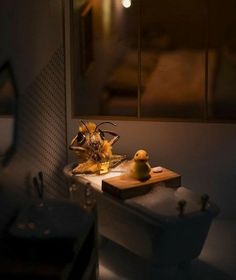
(104, 123)
(85, 126)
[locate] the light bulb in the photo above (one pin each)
(126, 3)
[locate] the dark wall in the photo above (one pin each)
(33, 42)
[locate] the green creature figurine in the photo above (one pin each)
(140, 168)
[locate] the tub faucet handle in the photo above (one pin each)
(89, 198)
(181, 206)
(204, 201)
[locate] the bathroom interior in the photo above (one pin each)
(163, 72)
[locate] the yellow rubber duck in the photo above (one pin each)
(140, 168)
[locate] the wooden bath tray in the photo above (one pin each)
(124, 187)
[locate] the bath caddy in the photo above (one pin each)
(124, 187)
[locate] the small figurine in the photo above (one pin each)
(94, 151)
(140, 168)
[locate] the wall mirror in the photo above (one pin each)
(8, 103)
(154, 59)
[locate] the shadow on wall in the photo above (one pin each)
(37, 57)
(41, 132)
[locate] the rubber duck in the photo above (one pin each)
(140, 168)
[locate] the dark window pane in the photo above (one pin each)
(222, 27)
(105, 58)
(173, 58)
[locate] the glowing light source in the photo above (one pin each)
(106, 9)
(126, 3)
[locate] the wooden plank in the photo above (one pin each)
(124, 187)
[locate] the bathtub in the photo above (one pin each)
(149, 225)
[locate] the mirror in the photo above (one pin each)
(222, 62)
(102, 35)
(154, 59)
(7, 112)
(173, 33)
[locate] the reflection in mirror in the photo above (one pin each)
(222, 42)
(7, 112)
(154, 59)
(173, 59)
(105, 44)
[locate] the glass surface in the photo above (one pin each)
(105, 60)
(7, 91)
(173, 58)
(7, 112)
(154, 59)
(222, 62)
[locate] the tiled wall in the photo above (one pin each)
(36, 51)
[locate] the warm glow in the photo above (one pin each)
(106, 9)
(126, 3)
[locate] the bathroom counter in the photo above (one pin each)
(149, 225)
